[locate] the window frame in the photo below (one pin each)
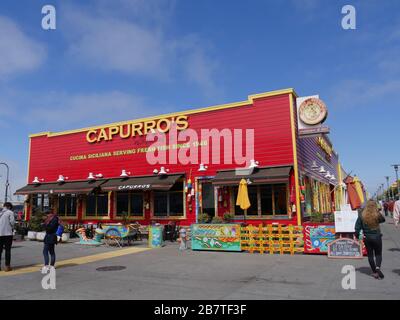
(97, 216)
(168, 216)
(260, 214)
(130, 216)
(65, 216)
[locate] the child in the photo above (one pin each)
(182, 239)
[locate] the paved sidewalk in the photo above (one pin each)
(167, 273)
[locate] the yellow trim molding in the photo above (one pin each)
(295, 163)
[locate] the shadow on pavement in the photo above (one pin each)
(397, 271)
(394, 249)
(364, 270)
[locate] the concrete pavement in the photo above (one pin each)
(167, 273)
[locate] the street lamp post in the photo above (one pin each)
(396, 169)
(7, 182)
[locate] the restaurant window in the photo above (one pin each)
(169, 203)
(40, 203)
(265, 200)
(66, 205)
(130, 204)
(253, 210)
(97, 205)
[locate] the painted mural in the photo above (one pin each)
(317, 238)
(218, 237)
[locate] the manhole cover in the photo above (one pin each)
(111, 268)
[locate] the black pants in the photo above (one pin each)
(6, 242)
(374, 248)
(49, 248)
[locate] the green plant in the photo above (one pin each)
(203, 218)
(228, 217)
(36, 221)
(331, 218)
(217, 220)
(317, 217)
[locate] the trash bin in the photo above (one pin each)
(156, 236)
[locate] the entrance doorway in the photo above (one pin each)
(208, 198)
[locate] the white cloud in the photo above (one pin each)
(60, 111)
(18, 53)
(111, 44)
(135, 45)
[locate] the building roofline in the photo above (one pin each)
(249, 100)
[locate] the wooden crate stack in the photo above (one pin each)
(273, 238)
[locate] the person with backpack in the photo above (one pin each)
(7, 222)
(368, 221)
(51, 225)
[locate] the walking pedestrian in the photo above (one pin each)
(368, 221)
(7, 221)
(386, 208)
(396, 212)
(50, 240)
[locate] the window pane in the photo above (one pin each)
(122, 203)
(71, 205)
(137, 204)
(73, 212)
(160, 204)
(91, 205)
(266, 199)
(102, 204)
(252, 191)
(280, 199)
(61, 205)
(208, 198)
(176, 204)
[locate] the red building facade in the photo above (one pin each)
(104, 174)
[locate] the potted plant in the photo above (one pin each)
(217, 220)
(317, 217)
(35, 226)
(228, 217)
(66, 234)
(203, 218)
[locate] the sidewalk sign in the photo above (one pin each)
(345, 248)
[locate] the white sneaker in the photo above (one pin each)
(45, 269)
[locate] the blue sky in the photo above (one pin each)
(117, 60)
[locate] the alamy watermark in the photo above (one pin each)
(349, 280)
(349, 20)
(49, 280)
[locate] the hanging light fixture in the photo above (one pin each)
(333, 178)
(253, 164)
(124, 174)
(36, 180)
(61, 178)
(91, 176)
(202, 167)
(328, 175)
(322, 170)
(163, 171)
(314, 166)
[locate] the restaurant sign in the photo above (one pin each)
(133, 129)
(134, 187)
(325, 146)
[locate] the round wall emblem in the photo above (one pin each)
(313, 111)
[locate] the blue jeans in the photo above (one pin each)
(49, 248)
